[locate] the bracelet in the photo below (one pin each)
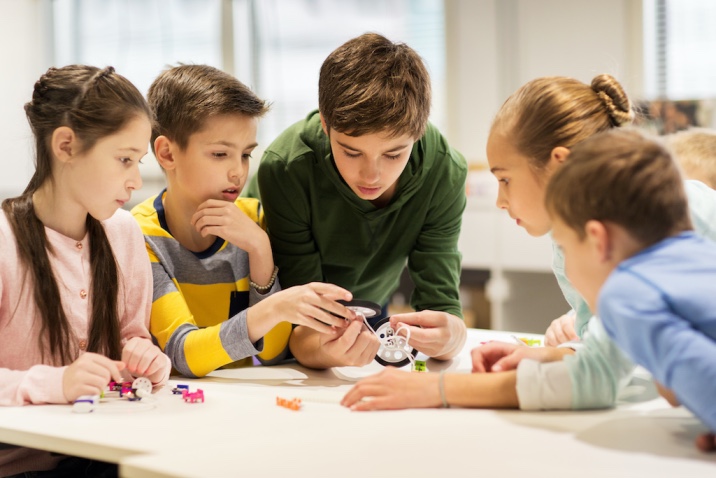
(441, 386)
(262, 289)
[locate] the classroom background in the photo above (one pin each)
(478, 52)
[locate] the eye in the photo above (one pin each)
(505, 181)
(351, 155)
(246, 156)
(392, 157)
(125, 160)
(219, 155)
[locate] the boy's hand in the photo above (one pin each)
(706, 442)
(144, 359)
(313, 305)
(561, 330)
(352, 346)
(500, 356)
(89, 375)
(394, 389)
(436, 334)
(223, 219)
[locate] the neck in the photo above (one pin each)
(56, 210)
(178, 213)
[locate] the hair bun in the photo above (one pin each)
(615, 100)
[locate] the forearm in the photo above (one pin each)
(306, 348)
(456, 340)
(261, 262)
(260, 319)
(481, 390)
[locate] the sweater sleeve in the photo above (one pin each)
(435, 261)
(678, 356)
(194, 351)
(288, 218)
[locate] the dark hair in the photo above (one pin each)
(559, 111)
(370, 84)
(185, 96)
(621, 177)
(94, 103)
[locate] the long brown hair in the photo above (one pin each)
(94, 103)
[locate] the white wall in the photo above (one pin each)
(495, 46)
(23, 36)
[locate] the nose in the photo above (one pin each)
(237, 171)
(501, 202)
(135, 180)
(370, 171)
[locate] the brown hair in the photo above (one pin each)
(559, 111)
(370, 84)
(621, 177)
(185, 96)
(94, 103)
(695, 150)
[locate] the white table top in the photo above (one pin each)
(241, 431)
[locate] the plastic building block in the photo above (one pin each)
(293, 404)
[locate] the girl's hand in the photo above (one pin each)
(393, 389)
(352, 346)
(144, 359)
(225, 220)
(561, 330)
(500, 356)
(89, 375)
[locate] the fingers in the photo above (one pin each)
(140, 355)
(706, 442)
(419, 319)
(508, 362)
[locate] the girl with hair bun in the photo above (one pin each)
(530, 138)
(75, 282)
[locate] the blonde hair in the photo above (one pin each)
(622, 177)
(695, 150)
(559, 111)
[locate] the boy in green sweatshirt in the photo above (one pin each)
(362, 186)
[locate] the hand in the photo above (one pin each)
(436, 334)
(352, 346)
(500, 356)
(561, 330)
(313, 305)
(669, 395)
(706, 442)
(144, 359)
(223, 219)
(393, 389)
(89, 375)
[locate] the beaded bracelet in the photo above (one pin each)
(262, 289)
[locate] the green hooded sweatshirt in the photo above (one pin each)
(320, 230)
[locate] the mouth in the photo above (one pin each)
(122, 202)
(366, 191)
(230, 194)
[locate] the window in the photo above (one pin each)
(274, 46)
(679, 41)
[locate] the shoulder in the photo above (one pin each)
(250, 206)
(436, 149)
(123, 233)
(298, 145)
(146, 215)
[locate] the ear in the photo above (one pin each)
(163, 148)
(599, 239)
(558, 155)
(323, 124)
(63, 142)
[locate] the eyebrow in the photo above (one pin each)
(229, 144)
(393, 150)
(497, 169)
(134, 150)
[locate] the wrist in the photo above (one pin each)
(265, 288)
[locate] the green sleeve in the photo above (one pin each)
(435, 261)
(288, 217)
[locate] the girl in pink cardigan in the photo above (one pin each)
(75, 282)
